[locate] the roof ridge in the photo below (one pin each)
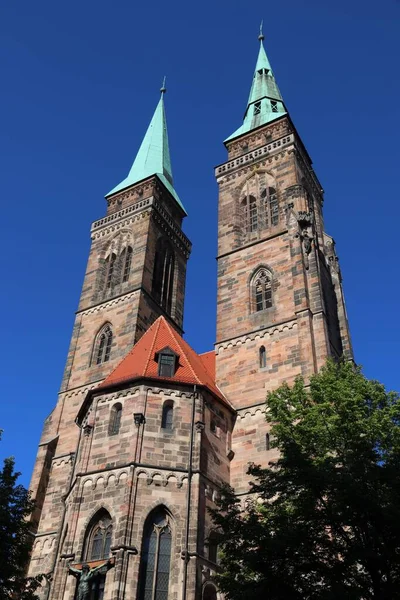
(156, 324)
(176, 338)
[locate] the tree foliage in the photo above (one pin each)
(15, 539)
(326, 522)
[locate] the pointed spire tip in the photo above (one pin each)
(261, 36)
(163, 89)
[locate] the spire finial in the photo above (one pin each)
(163, 89)
(261, 35)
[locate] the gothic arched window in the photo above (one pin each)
(271, 207)
(262, 357)
(250, 213)
(261, 290)
(167, 415)
(115, 419)
(109, 270)
(126, 263)
(102, 346)
(267, 442)
(213, 547)
(98, 537)
(163, 274)
(156, 557)
(210, 592)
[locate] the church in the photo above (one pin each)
(146, 430)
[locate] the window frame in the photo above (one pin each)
(114, 424)
(167, 417)
(262, 357)
(102, 345)
(101, 524)
(149, 579)
(261, 291)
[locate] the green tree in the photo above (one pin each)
(15, 539)
(326, 520)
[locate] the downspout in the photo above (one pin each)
(185, 552)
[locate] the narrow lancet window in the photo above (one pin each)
(271, 207)
(115, 419)
(262, 357)
(126, 262)
(167, 416)
(250, 213)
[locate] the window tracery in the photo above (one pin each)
(156, 557)
(102, 345)
(259, 206)
(98, 537)
(261, 290)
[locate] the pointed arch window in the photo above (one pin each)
(126, 263)
(167, 419)
(261, 290)
(271, 207)
(250, 213)
(109, 270)
(209, 592)
(99, 537)
(163, 274)
(115, 419)
(156, 557)
(103, 345)
(262, 357)
(267, 442)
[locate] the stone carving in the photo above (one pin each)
(307, 246)
(85, 576)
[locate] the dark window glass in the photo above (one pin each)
(271, 207)
(166, 365)
(163, 274)
(97, 546)
(263, 357)
(126, 263)
(274, 106)
(104, 343)
(262, 290)
(156, 559)
(210, 593)
(110, 264)
(249, 205)
(115, 419)
(212, 548)
(257, 108)
(167, 416)
(267, 442)
(97, 586)
(99, 537)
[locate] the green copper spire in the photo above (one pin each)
(265, 102)
(153, 157)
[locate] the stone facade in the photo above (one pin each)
(106, 459)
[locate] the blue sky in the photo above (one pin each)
(79, 84)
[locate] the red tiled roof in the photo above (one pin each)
(208, 360)
(141, 363)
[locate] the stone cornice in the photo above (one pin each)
(259, 333)
(130, 214)
(249, 158)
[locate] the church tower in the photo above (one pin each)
(135, 273)
(280, 309)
